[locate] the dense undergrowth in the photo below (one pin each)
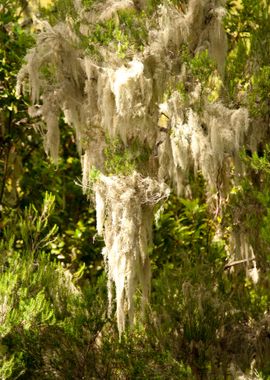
(207, 317)
(55, 325)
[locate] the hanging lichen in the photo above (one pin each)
(124, 206)
(106, 96)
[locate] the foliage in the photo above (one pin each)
(247, 25)
(186, 247)
(194, 326)
(206, 315)
(14, 132)
(26, 174)
(126, 33)
(47, 328)
(39, 303)
(258, 99)
(73, 245)
(122, 159)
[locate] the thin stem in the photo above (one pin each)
(233, 263)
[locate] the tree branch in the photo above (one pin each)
(233, 263)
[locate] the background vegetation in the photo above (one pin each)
(205, 320)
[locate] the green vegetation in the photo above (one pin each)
(205, 312)
(124, 160)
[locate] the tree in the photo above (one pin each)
(120, 91)
(25, 173)
(122, 97)
(13, 113)
(154, 104)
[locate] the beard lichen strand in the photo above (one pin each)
(52, 139)
(125, 210)
(51, 113)
(110, 9)
(203, 143)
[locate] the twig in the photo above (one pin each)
(6, 159)
(233, 263)
(164, 114)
